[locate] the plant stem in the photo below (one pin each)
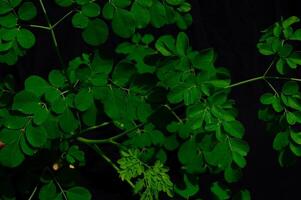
(53, 36)
(95, 127)
(283, 78)
(173, 113)
(33, 193)
(64, 17)
(270, 66)
(106, 158)
(245, 81)
(272, 87)
(40, 27)
(108, 140)
(60, 187)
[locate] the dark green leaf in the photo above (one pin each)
(182, 44)
(83, 100)
(79, 20)
(123, 23)
(36, 85)
(281, 140)
(25, 38)
(96, 32)
(77, 193)
(27, 11)
(91, 10)
(36, 136)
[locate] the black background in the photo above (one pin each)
(231, 27)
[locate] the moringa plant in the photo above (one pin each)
(166, 105)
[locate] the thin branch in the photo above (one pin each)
(62, 19)
(270, 66)
(244, 82)
(108, 140)
(60, 187)
(33, 193)
(173, 113)
(106, 158)
(272, 87)
(283, 78)
(53, 36)
(95, 127)
(40, 27)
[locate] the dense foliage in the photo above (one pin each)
(150, 77)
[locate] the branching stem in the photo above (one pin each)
(106, 158)
(108, 140)
(51, 29)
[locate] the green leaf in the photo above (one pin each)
(291, 118)
(26, 147)
(79, 20)
(36, 85)
(96, 32)
(175, 2)
(5, 7)
(166, 45)
(267, 98)
(25, 38)
(77, 193)
(8, 21)
(190, 189)
(220, 192)
(15, 122)
(285, 50)
(76, 154)
(234, 128)
(108, 11)
(182, 44)
(82, 2)
(48, 191)
(89, 116)
(265, 49)
(158, 14)
(11, 155)
(295, 149)
(64, 3)
(121, 3)
(220, 156)
(56, 78)
(145, 3)
(123, 23)
(290, 21)
(295, 58)
(184, 7)
(83, 100)
(280, 141)
(296, 35)
(290, 88)
(187, 152)
(101, 64)
(91, 10)
(68, 122)
(26, 102)
(52, 95)
(27, 11)
(141, 14)
(8, 136)
(123, 73)
(232, 175)
(36, 136)
(280, 66)
(239, 146)
(295, 136)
